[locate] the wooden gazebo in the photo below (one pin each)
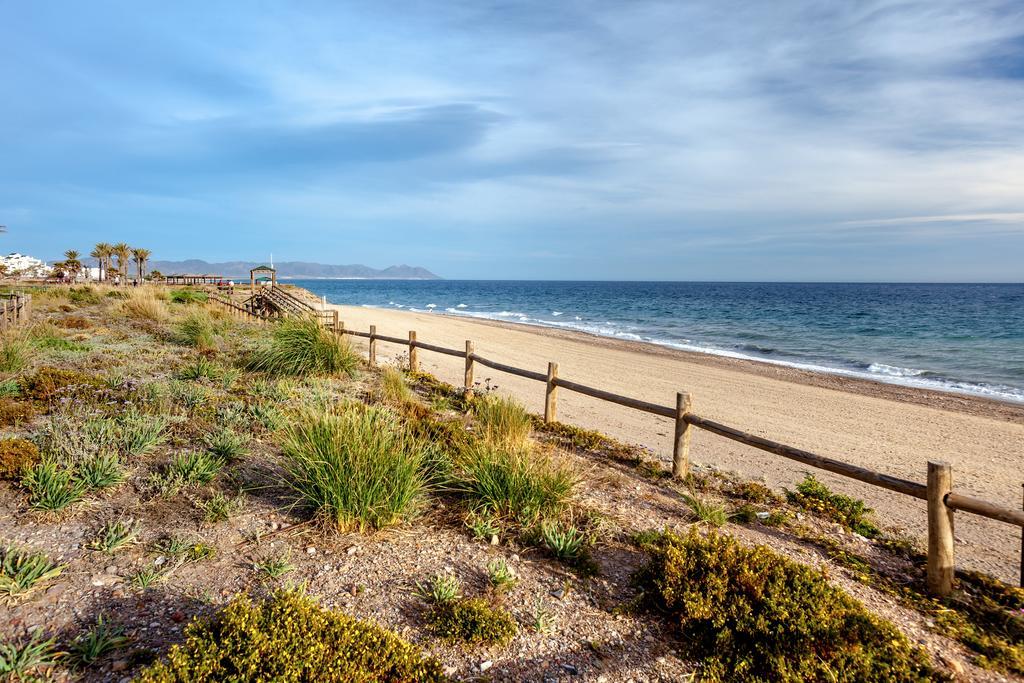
(262, 269)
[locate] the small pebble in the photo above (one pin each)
(311, 550)
(485, 665)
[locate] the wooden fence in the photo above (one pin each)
(942, 501)
(15, 309)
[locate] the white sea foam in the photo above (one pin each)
(462, 306)
(557, 313)
(894, 371)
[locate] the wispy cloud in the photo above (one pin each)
(639, 139)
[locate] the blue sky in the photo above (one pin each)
(623, 140)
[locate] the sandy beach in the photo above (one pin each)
(890, 428)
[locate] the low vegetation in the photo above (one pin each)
(503, 421)
(749, 614)
(300, 347)
(22, 572)
(356, 469)
(472, 620)
(853, 514)
(288, 637)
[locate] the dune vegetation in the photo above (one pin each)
(189, 496)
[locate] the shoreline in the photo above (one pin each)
(892, 429)
(942, 399)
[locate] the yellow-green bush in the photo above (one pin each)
(814, 496)
(750, 614)
(48, 383)
(17, 455)
(473, 620)
(14, 412)
(289, 638)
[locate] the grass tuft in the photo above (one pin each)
(514, 483)
(812, 495)
(22, 572)
(708, 512)
(28, 660)
(114, 536)
(358, 469)
(503, 420)
(300, 346)
(52, 488)
(102, 638)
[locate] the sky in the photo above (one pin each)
(851, 141)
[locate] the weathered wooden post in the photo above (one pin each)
(940, 530)
(414, 360)
(17, 308)
(551, 395)
(681, 443)
(334, 320)
(28, 307)
(468, 383)
(373, 345)
(3, 318)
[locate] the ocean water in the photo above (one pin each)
(966, 338)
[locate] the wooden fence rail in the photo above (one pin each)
(941, 500)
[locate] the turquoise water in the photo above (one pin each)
(966, 338)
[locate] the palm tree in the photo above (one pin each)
(72, 263)
(140, 256)
(102, 253)
(122, 251)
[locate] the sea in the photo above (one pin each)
(963, 338)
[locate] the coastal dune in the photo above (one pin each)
(892, 429)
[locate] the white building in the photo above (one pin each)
(25, 266)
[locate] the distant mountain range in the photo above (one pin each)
(293, 270)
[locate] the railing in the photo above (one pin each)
(15, 309)
(941, 500)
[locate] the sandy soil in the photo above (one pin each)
(895, 430)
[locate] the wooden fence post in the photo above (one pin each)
(468, 384)
(414, 359)
(373, 345)
(681, 443)
(3, 318)
(334, 320)
(17, 308)
(28, 307)
(940, 530)
(551, 395)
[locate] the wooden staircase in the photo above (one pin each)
(275, 302)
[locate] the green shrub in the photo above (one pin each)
(512, 482)
(9, 388)
(358, 469)
(139, 433)
(288, 637)
(472, 620)
(17, 456)
(503, 420)
(814, 496)
(189, 296)
(300, 346)
(84, 296)
(48, 337)
(750, 614)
